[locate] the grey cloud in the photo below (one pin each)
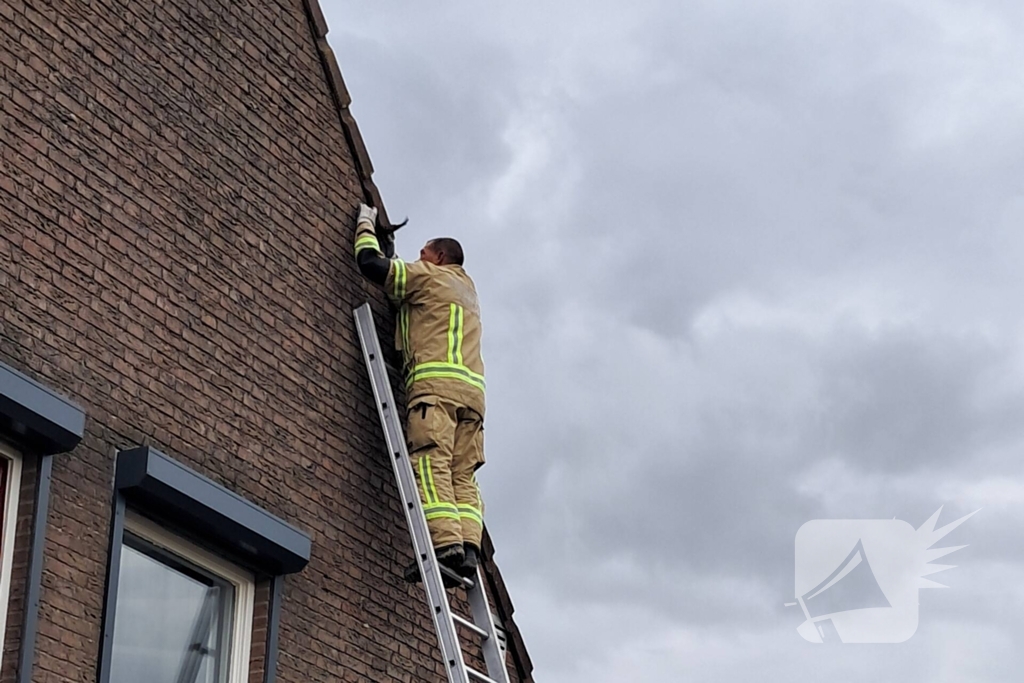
(726, 503)
(910, 400)
(436, 129)
(742, 265)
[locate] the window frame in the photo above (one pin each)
(196, 508)
(244, 584)
(9, 531)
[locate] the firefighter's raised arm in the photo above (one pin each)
(369, 256)
(399, 279)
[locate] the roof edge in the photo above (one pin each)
(371, 195)
(505, 609)
(342, 100)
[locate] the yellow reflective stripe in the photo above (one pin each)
(399, 279)
(403, 326)
(459, 334)
(441, 365)
(367, 242)
(441, 510)
(446, 371)
(471, 512)
(452, 317)
(441, 506)
(408, 343)
(424, 473)
(456, 334)
(430, 478)
(446, 515)
(439, 374)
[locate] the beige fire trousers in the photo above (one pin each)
(446, 445)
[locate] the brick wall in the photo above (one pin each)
(177, 193)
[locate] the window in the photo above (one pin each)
(10, 485)
(176, 612)
(183, 615)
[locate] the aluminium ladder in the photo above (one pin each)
(445, 621)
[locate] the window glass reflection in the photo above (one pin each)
(173, 620)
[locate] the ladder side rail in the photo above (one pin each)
(482, 617)
(437, 598)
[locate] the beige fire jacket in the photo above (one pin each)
(438, 330)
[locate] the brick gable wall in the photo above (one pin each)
(177, 193)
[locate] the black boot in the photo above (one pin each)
(470, 561)
(450, 556)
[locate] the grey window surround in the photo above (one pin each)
(35, 417)
(183, 499)
(40, 423)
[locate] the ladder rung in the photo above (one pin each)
(471, 626)
(479, 676)
(466, 583)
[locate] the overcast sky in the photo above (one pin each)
(742, 265)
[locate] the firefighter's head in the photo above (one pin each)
(442, 251)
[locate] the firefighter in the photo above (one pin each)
(438, 333)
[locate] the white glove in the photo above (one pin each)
(367, 214)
